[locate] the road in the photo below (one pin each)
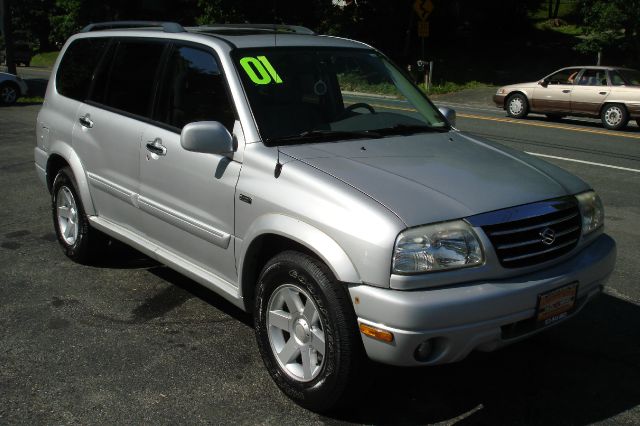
(130, 341)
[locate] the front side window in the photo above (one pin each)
(193, 90)
(567, 76)
(76, 69)
(127, 82)
(313, 93)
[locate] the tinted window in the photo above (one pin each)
(593, 78)
(194, 90)
(129, 80)
(631, 77)
(78, 64)
(616, 79)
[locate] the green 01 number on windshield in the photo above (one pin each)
(260, 70)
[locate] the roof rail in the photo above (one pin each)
(167, 27)
(271, 28)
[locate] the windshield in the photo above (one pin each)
(312, 93)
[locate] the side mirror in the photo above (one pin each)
(543, 83)
(449, 114)
(209, 137)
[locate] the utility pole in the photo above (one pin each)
(5, 10)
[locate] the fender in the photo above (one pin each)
(65, 151)
(312, 238)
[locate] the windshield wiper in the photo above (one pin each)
(325, 136)
(409, 129)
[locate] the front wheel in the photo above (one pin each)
(614, 116)
(517, 106)
(306, 331)
(78, 240)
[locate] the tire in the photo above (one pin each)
(9, 93)
(517, 106)
(554, 117)
(78, 240)
(297, 303)
(614, 116)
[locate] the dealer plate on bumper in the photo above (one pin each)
(556, 304)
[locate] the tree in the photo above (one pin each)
(611, 26)
(554, 8)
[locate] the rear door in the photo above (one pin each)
(590, 92)
(187, 198)
(555, 96)
(111, 124)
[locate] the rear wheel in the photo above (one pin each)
(614, 116)
(306, 330)
(78, 240)
(517, 106)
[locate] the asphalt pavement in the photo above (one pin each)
(130, 341)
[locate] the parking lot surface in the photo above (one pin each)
(130, 341)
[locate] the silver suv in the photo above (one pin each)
(308, 181)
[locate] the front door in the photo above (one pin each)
(187, 198)
(554, 96)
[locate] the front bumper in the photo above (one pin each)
(499, 100)
(480, 315)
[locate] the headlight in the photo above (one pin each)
(442, 246)
(501, 91)
(591, 210)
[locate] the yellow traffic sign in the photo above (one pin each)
(423, 29)
(423, 8)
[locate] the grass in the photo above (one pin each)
(451, 87)
(349, 82)
(30, 100)
(44, 60)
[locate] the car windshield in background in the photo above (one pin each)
(317, 94)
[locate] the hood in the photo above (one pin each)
(520, 86)
(433, 177)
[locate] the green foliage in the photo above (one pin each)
(612, 25)
(30, 100)
(450, 87)
(44, 60)
(357, 83)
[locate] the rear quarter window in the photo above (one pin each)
(76, 69)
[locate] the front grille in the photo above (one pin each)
(519, 243)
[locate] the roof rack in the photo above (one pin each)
(268, 28)
(167, 27)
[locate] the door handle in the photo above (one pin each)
(156, 147)
(566, 91)
(603, 93)
(85, 121)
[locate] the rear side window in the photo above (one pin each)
(128, 81)
(77, 67)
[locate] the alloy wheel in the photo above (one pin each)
(296, 332)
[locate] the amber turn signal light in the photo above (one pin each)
(376, 333)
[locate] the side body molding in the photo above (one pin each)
(312, 238)
(65, 151)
